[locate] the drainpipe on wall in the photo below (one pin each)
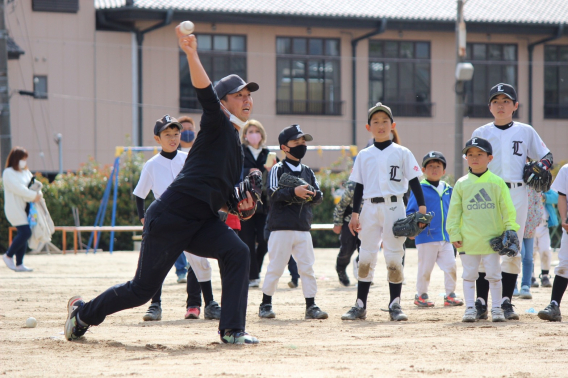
(531, 49)
(139, 42)
(381, 29)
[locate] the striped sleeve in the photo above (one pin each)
(273, 179)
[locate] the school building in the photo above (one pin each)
(100, 73)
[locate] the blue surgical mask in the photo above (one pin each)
(187, 136)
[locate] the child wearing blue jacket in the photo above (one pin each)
(433, 243)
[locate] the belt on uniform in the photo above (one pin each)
(514, 184)
(382, 199)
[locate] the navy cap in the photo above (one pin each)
(291, 133)
(232, 84)
(434, 155)
(505, 89)
(482, 144)
(165, 122)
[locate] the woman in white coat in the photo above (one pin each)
(16, 179)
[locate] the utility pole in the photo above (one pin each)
(459, 88)
(5, 132)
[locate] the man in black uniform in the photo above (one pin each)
(186, 215)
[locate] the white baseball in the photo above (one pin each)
(31, 322)
(187, 27)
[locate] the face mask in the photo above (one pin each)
(299, 151)
(233, 118)
(187, 136)
(23, 164)
(254, 138)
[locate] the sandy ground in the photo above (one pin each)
(432, 342)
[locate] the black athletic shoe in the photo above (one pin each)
(265, 311)
(551, 313)
(73, 330)
(355, 313)
(212, 311)
(481, 310)
(545, 280)
(396, 314)
(237, 336)
(508, 310)
(314, 312)
(343, 278)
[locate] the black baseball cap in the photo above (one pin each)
(232, 84)
(291, 133)
(379, 107)
(165, 122)
(434, 155)
(482, 144)
(502, 88)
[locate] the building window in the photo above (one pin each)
(308, 80)
(399, 76)
(63, 6)
(40, 86)
(556, 82)
(220, 55)
(493, 64)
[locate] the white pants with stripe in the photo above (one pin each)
(470, 274)
(429, 254)
(200, 266)
(376, 221)
(562, 268)
(282, 245)
(520, 199)
(541, 246)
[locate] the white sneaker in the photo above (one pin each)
(9, 262)
(469, 316)
(254, 283)
(497, 315)
(23, 268)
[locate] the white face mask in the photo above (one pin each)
(234, 119)
(23, 164)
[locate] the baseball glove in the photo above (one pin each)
(251, 184)
(290, 181)
(409, 226)
(506, 244)
(537, 176)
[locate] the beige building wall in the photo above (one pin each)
(91, 87)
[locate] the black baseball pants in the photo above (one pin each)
(348, 245)
(174, 223)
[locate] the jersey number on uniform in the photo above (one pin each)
(516, 145)
(393, 173)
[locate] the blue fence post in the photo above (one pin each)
(114, 203)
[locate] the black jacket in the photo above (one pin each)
(286, 216)
(250, 162)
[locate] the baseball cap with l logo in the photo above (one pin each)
(504, 89)
(434, 155)
(482, 144)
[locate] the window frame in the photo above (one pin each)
(481, 110)
(327, 107)
(204, 56)
(559, 109)
(401, 108)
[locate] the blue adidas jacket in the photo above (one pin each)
(439, 205)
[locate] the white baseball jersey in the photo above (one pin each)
(385, 172)
(560, 183)
(158, 173)
(511, 147)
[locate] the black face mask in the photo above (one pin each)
(299, 151)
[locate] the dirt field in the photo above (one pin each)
(432, 342)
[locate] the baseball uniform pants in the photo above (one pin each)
(470, 264)
(562, 268)
(520, 199)
(542, 247)
(282, 245)
(176, 223)
(376, 221)
(429, 254)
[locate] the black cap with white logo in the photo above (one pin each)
(505, 89)
(291, 133)
(434, 155)
(482, 144)
(232, 84)
(165, 122)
